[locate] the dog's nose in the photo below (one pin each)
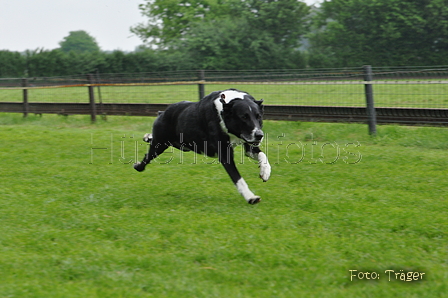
(259, 135)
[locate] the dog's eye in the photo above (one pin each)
(245, 116)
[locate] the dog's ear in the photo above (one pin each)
(226, 107)
(222, 99)
(260, 104)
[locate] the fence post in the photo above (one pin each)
(26, 106)
(201, 77)
(368, 88)
(91, 81)
(98, 81)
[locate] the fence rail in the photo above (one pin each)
(400, 95)
(407, 116)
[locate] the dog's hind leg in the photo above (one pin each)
(263, 163)
(155, 150)
(229, 164)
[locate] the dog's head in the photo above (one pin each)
(242, 116)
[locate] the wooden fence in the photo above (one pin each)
(367, 113)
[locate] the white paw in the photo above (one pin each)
(147, 138)
(265, 167)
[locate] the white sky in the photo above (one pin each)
(32, 24)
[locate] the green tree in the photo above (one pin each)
(284, 20)
(228, 34)
(79, 42)
(12, 64)
(233, 44)
(42, 62)
(380, 32)
(57, 63)
(168, 20)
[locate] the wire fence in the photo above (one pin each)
(416, 87)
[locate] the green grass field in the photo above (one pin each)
(76, 221)
(386, 95)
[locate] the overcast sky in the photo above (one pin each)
(32, 24)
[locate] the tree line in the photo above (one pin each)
(256, 34)
(50, 63)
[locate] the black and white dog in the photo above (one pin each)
(213, 126)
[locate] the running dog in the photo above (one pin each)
(213, 126)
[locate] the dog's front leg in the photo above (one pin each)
(226, 158)
(263, 163)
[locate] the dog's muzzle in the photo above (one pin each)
(256, 138)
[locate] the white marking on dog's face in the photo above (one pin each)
(244, 190)
(232, 94)
(252, 138)
(229, 95)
